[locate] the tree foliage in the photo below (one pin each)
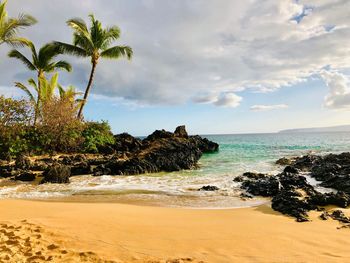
(9, 27)
(93, 42)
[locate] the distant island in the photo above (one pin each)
(341, 128)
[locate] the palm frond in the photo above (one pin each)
(71, 49)
(17, 41)
(25, 20)
(47, 53)
(110, 34)
(9, 27)
(83, 42)
(26, 90)
(96, 32)
(78, 25)
(16, 54)
(61, 91)
(117, 52)
(33, 84)
(63, 65)
(3, 13)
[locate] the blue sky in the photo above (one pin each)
(217, 67)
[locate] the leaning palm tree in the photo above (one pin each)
(94, 43)
(9, 27)
(41, 62)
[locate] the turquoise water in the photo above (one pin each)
(238, 154)
(259, 149)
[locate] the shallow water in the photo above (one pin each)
(238, 154)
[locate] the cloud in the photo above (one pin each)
(187, 48)
(339, 90)
(228, 99)
(224, 99)
(268, 107)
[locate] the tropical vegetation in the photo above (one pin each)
(42, 63)
(9, 27)
(50, 118)
(94, 43)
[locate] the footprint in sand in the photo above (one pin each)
(27, 242)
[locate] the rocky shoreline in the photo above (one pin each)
(160, 151)
(292, 194)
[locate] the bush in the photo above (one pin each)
(58, 131)
(15, 116)
(96, 136)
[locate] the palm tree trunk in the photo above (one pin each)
(91, 79)
(37, 107)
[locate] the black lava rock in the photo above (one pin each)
(209, 188)
(57, 174)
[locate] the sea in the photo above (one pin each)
(238, 153)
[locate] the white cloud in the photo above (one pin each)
(228, 99)
(339, 90)
(268, 107)
(224, 99)
(187, 48)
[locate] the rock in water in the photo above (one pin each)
(204, 144)
(58, 174)
(209, 188)
(25, 176)
(284, 161)
(160, 151)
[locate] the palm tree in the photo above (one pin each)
(42, 62)
(94, 43)
(9, 27)
(47, 92)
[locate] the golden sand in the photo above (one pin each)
(98, 232)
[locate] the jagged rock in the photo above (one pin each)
(6, 171)
(102, 170)
(325, 215)
(267, 186)
(339, 199)
(305, 162)
(209, 188)
(180, 131)
(57, 174)
(246, 195)
(39, 166)
(294, 182)
(290, 169)
(165, 154)
(25, 176)
(23, 162)
(290, 203)
(126, 143)
(159, 134)
(284, 161)
(340, 216)
(204, 144)
(82, 168)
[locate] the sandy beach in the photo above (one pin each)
(100, 232)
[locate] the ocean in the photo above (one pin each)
(238, 153)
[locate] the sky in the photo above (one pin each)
(218, 66)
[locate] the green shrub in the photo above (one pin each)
(96, 135)
(58, 131)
